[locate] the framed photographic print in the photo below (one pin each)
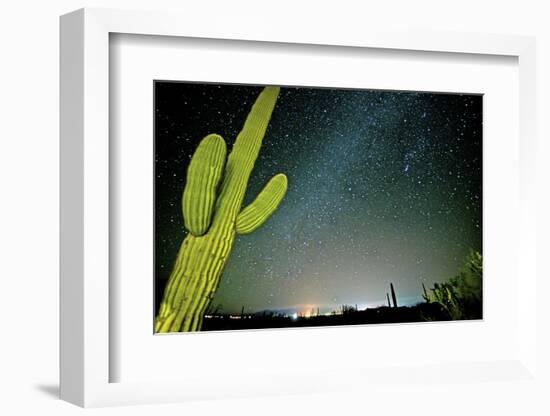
(309, 197)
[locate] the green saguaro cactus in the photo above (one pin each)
(211, 203)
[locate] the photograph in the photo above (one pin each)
(303, 206)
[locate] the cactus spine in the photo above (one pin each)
(212, 199)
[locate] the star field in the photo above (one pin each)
(383, 187)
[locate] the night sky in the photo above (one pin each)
(384, 187)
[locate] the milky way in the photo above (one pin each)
(384, 187)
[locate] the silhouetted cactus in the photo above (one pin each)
(212, 199)
(393, 296)
(425, 295)
(461, 296)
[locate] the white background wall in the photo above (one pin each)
(29, 204)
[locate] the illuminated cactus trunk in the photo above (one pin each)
(211, 203)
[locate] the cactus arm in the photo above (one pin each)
(244, 154)
(425, 294)
(267, 201)
(203, 177)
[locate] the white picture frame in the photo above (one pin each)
(86, 356)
